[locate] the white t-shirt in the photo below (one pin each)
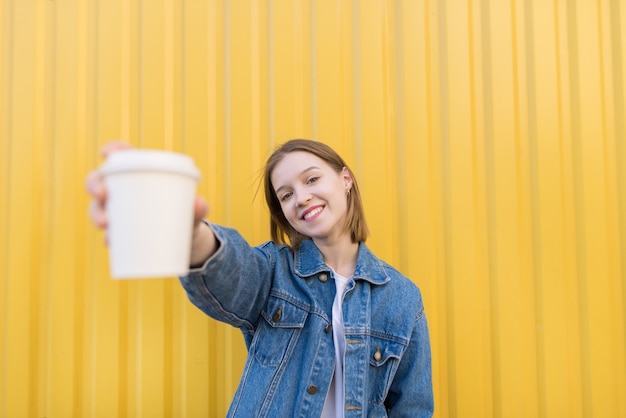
(333, 406)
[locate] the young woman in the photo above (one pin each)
(331, 330)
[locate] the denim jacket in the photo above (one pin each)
(282, 302)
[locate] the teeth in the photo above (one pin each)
(312, 213)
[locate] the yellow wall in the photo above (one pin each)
(489, 139)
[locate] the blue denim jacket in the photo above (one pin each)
(282, 302)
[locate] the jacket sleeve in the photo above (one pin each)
(234, 283)
(411, 393)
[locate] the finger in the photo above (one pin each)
(95, 185)
(112, 146)
(97, 214)
(201, 209)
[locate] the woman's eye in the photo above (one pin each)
(285, 196)
(312, 180)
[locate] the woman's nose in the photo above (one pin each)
(302, 197)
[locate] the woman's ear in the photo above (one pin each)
(347, 179)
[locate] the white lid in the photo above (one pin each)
(149, 160)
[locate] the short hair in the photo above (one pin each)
(281, 230)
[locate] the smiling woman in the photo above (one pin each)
(306, 335)
(315, 156)
(314, 200)
(488, 139)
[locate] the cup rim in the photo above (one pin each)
(133, 160)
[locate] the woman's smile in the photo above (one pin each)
(312, 213)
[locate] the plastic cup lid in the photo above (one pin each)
(149, 160)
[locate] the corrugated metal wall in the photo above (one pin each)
(489, 138)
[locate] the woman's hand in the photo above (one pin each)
(97, 190)
(204, 243)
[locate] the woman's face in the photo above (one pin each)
(312, 195)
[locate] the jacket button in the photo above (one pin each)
(323, 277)
(312, 389)
(278, 314)
(328, 328)
(377, 355)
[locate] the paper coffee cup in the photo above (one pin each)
(150, 209)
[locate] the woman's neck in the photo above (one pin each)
(341, 256)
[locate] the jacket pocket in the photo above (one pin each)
(278, 333)
(384, 359)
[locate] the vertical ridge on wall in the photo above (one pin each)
(533, 244)
(315, 69)
(87, 106)
(389, 58)
(579, 205)
(43, 128)
(20, 204)
(613, 95)
(354, 78)
(40, 251)
(555, 363)
(616, 14)
(5, 190)
(534, 207)
(84, 116)
(481, 129)
(611, 183)
(130, 45)
(396, 28)
(444, 165)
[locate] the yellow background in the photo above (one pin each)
(488, 137)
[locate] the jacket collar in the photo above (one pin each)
(308, 261)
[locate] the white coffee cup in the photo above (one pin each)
(150, 210)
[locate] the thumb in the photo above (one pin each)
(201, 210)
